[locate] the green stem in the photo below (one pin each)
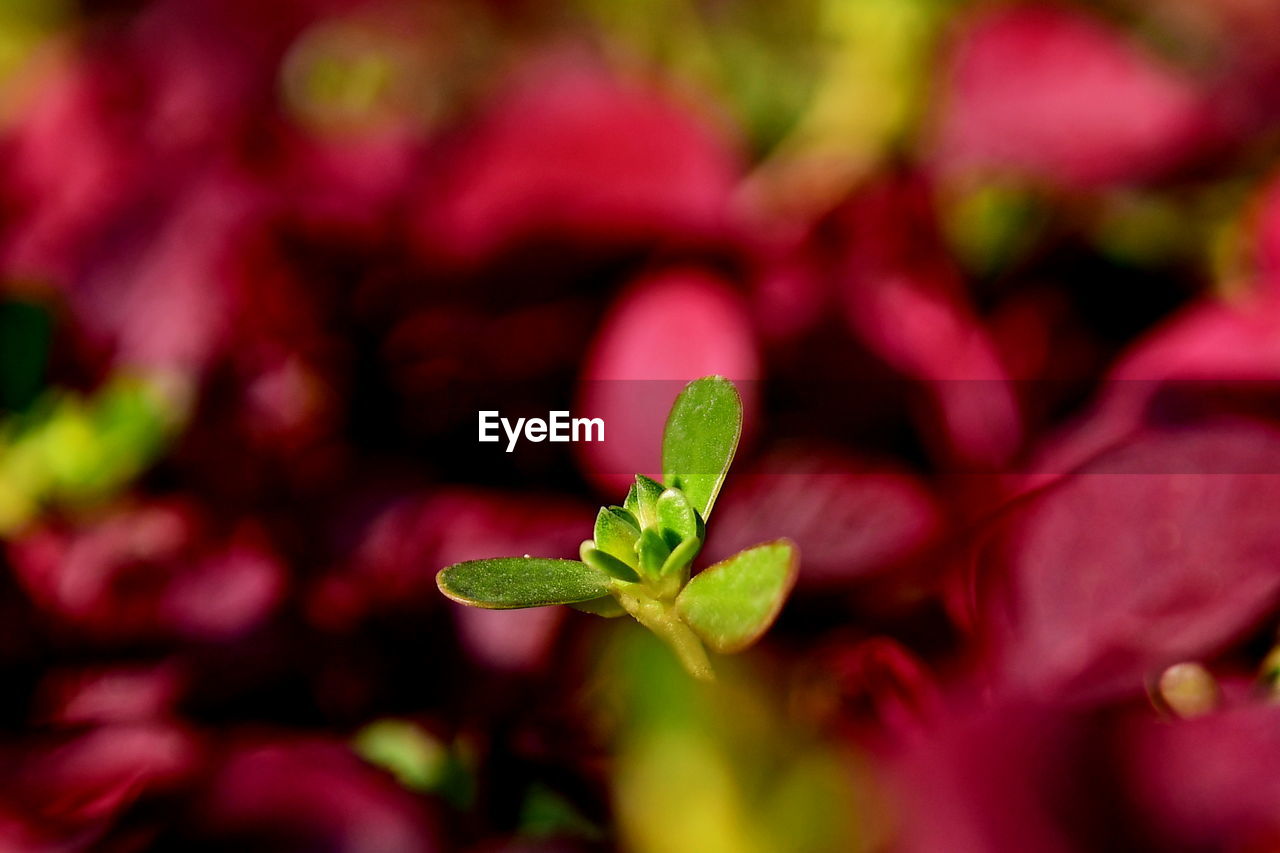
(663, 621)
(687, 647)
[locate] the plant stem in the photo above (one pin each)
(687, 647)
(663, 621)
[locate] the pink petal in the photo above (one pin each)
(1163, 549)
(851, 518)
(667, 329)
(569, 149)
(1054, 94)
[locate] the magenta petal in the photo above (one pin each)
(318, 792)
(1210, 782)
(1001, 780)
(885, 684)
(1055, 95)
(514, 640)
(1160, 550)
(94, 775)
(668, 329)
(149, 572)
(113, 694)
(225, 594)
(1215, 354)
(569, 149)
(905, 300)
(851, 518)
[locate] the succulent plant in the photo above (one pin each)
(639, 559)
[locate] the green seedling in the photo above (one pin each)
(639, 558)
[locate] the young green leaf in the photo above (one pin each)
(729, 605)
(607, 563)
(681, 556)
(642, 500)
(616, 533)
(676, 517)
(653, 551)
(700, 439)
(507, 583)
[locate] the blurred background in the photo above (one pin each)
(1000, 283)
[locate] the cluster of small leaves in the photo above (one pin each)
(640, 556)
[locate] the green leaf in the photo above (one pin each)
(681, 556)
(642, 500)
(606, 606)
(607, 563)
(676, 517)
(729, 605)
(507, 583)
(700, 439)
(653, 551)
(408, 751)
(616, 533)
(547, 815)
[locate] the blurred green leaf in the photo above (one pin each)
(809, 805)
(407, 751)
(722, 766)
(65, 448)
(508, 583)
(1147, 229)
(546, 814)
(26, 331)
(678, 792)
(876, 69)
(758, 59)
(26, 25)
(94, 446)
(993, 225)
(701, 438)
(729, 605)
